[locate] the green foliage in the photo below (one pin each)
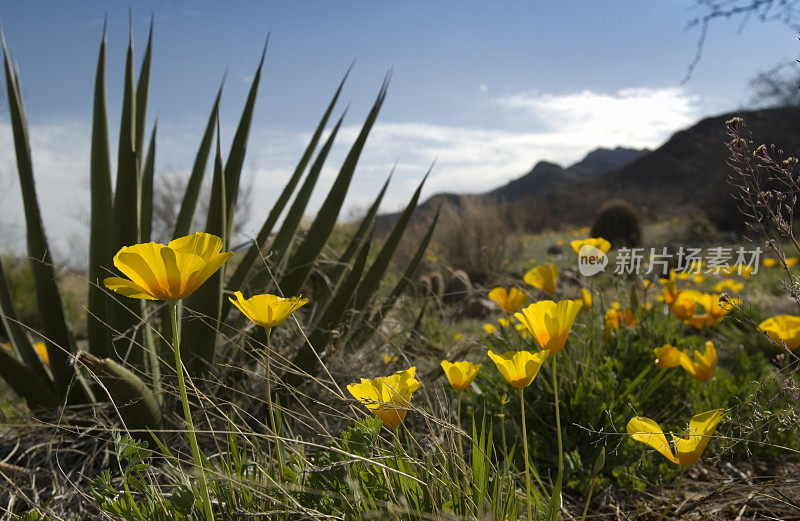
(123, 216)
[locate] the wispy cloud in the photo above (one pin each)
(634, 116)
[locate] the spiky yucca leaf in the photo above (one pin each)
(19, 339)
(101, 214)
(368, 286)
(48, 296)
(245, 266)
(302, 261)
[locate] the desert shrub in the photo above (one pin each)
(618, 223)
(477, 237)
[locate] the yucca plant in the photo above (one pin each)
(117, 327)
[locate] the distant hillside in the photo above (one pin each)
(688, 172)
(544, 178)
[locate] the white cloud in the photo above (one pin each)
(634, 116)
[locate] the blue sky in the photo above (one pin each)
(486, 88)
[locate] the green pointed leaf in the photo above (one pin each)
(48, 297)
(303, 259)
(376, 272)
(148, 173)
(244, 267)
(17, 336)
(125, 312)
(554, 507)
(142, 93)
(280, 246)
(101, 215)
(306, 359)
(25, 383)
(205, 304)
(233, 166)
(185, 219)
(363, 227)
(362, 334)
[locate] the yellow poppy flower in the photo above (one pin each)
(670, 288)
(504, 322)
(39, 347)
(598, 242)
(688, 449)
(728, 284)
(519, 368)
(388, 359)
(783, 329)
(543, 277)
(459, 336)
(791, 261)
(769, 262)
(171, 272)
(550, 322)
(387, 397)
(489, 329)
(267, 310)
(523, 331)
(701, 310)
(460, 374)
(509, 301)
(615, 317)
(685, 304)
(586, 299)
(702, 367)
(742, 270)
(646, 283)
(41, 350)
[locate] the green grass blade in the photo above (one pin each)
(185, 219)
(302, 261)
(306, 359)
(554, 506)
(48, 297)
(376, 272)
(101, 214)
(142, 93)
(233, 166)
(148, 173)
(244, 267)
(16, 334)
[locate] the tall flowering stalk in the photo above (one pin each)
(171, 273)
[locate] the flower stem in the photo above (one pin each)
(558, 419)
(588, 498)
(272, 423)
(674, 495)
(525, 447)
(198, 459)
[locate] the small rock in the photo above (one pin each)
(478, 307)
(458, 287)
